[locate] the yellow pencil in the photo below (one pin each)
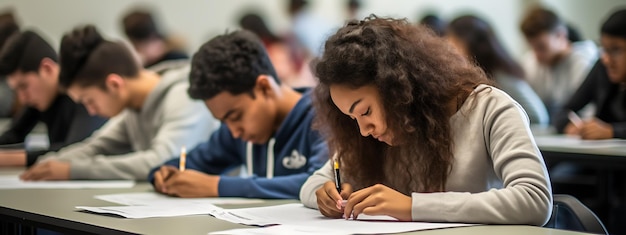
(183, 159)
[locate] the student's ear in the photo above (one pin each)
(47, 67)
(265, 85)
(114, 82)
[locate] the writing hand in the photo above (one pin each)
(329, 201)
(191, 183)
(48, 170)
(596, 129)
(571, 129)
(379, 200)
(160, 176)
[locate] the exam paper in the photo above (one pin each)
(13, 182)
(304, 219)
(154, 198)
(137, 212)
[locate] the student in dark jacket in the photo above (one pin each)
(605, 86)
(266, 127)
(31, 68)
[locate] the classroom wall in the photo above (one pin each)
(198, 20)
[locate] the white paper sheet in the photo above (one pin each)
(577, 143)
(279, 230)
(304, 218)
(136, 212)
(153, 198)
(13, 182)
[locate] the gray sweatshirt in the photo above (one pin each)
(133, 142)
(498, 175)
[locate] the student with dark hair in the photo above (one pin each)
(605, 87)
(31, 69)
(267, 127)
(435, 23)
(152, 45)
(152, 117)
(420, 134)
(9, 104)
(476, 39)
(288, 60)
(555, 67)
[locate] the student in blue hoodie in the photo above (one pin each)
(267, 127)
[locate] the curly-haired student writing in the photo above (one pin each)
(420, 133)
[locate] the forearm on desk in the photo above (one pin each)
(12, 158)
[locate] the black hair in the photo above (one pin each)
(140, 25)
(24, 52)
(87, 59)
(8, 26)
(230, 62)
(615, 25)
(540, 20)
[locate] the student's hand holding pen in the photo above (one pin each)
(329, 201)
(189, 183)
(596, 129)
(379, 200)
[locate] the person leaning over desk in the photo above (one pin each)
(32, 71)
(605, 87)
(420, 133)
(152, 117)
(266, 127)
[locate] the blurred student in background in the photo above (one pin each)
(556, 67)
(309, 29)
(156, 50)
(605, 87)
(152, 116)
(435, 23)
(30, 66)
(476, 39)
(288, 60)
(9, 104)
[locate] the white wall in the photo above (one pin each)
(197, 20)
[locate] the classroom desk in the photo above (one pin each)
(606, 161)
(54, 209)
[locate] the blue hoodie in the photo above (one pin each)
(276, 169)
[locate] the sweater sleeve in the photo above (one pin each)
(20, 127)
(212, 157)
(185, 122)
(582, 96)
(283, 187)
(313, 183)
(526, 196)
(82, 126)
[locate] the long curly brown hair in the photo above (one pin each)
(418, 75)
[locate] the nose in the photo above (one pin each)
(91, 110)
(365, 128)
(605, 58)
(22, 96)
(235, 130)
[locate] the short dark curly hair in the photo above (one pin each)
(230, 62)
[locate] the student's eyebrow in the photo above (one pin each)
(230, 112)
(353, 105)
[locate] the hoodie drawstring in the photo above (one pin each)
(249, 158)
(270, 159)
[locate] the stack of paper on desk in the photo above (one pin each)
(13, 182)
